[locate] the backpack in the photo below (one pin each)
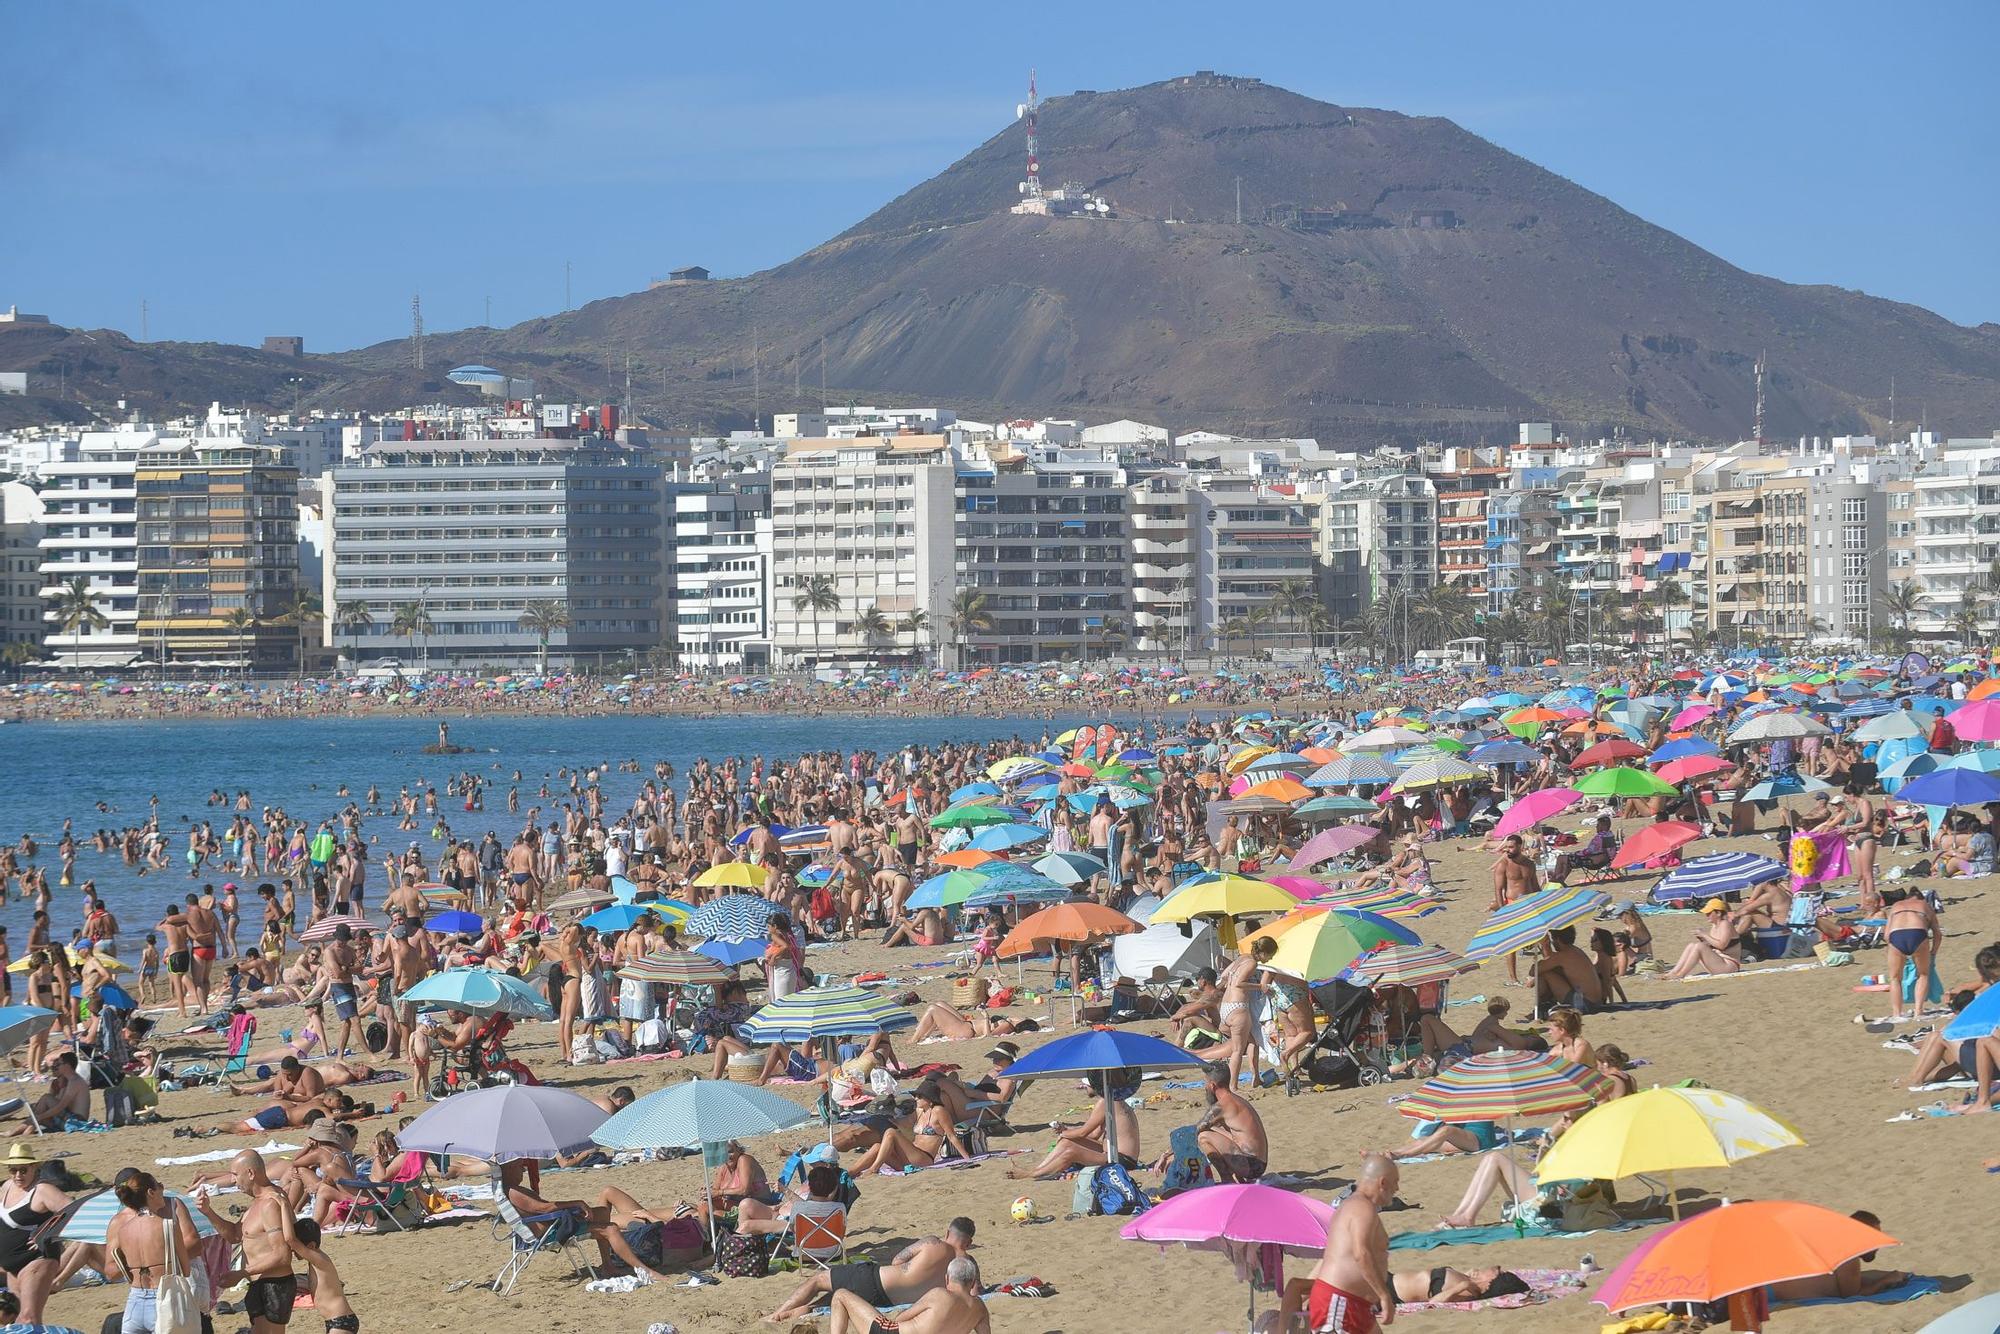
(740, 1255)
(822, 904)
(1118, 1193)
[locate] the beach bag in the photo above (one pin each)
(1083, 1197)
(1589, 1208)
(1187, 1166)
(650, 1035)
(178, 1309)
(740, 1255)
(118, 1107)
(1117, 1193)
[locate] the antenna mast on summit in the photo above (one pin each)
(1759, 426)
(1034, 181)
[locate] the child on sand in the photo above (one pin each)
(328, 1291)
(149, 969)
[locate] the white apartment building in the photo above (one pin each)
(1249, 538)
(1953, 520)
(721, 567)
(1159, 518)
(1381, 537)
(89, 532)
(869, 521)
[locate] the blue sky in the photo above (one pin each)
(257, 168)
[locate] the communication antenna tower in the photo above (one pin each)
(1033, 184)
(417, 328)
(1759, 426)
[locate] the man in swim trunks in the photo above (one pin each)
(174, 926)
(1350, 1287)
(204, 930)
(917, 1269)
(1230, 1132)
(269, 1242)
(954, 1308)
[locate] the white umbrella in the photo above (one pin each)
(1896, 726)
(1772, 726)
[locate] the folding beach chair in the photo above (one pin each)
(395, 1203)
(819, 1231)
(242, 1028)
(527, 1243)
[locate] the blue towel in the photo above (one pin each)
(1477, 1236)
(1907, 1291)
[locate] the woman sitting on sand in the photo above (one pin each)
(1714, 949)
(933, 1140)
(1492, 1034)
(1565, 1037)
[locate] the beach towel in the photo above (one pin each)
(1828, 860)
(1543, 1285)
(1907, 1291)
(955, 1162)
(224, 1155)
(1479, 1236)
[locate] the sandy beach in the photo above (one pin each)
(1785, 1040)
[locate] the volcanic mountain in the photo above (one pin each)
(1391, 277)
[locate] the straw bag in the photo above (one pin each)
(968, 992)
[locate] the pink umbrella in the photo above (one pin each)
(1534, 808)
(1300, 886)
(1252, 1214)
(1977, 721)
(1691, 766)
(1689, 716)
(1239, 785)
(1330, 843)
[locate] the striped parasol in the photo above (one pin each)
(1315, 944)
(1410, 966)
(1383, 899)
(1010, 883)
(1716, 874)
(701, 1111)
(827, 1012)
(683, 968)
(1525, 921)
(1500, 1085)
(89, 1217)
(733, 915)
(1353, 770)
(324, 928)
(1440, 772)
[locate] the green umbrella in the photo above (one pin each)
(971, 817)
(1619, 781)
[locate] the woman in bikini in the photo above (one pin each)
(136, 1244)
(1611, 1063)
(1914, 934)
(932, 1141)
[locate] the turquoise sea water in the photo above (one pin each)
(57, 770)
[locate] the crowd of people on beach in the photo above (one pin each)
(339, 914)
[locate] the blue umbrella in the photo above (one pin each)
(506, 1123)
(1507, 750)
(1001, 837)
(732, 915)
(1951, 787)
(970, 790)
(618, 917)
(19, 1023)
(1977, 1020)
(1016, 884)
(731, 951)
(743, 835)
(479, 991)
(110, 996)
(1788, 785)
(1099, 1049)
(827, 1012)
(1681, 749)
(701, 1111)
(1070, 868)
(1716, 874)
(455, 923)
(1986, 761)
(1136, 755)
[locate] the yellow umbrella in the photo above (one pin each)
(1017, 767)
(109, 964)
(1247, 756)
(1224, 896)
(739, 875)
(1664, 1130)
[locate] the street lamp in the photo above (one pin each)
(423, 630)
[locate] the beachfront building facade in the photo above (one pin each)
(1952, 522)
(1159, 521)
(721, 571)
(217, 553)
(1381, 538)
(1039, 543)
(89, 566)
(467, 553)
(21, 605)
(862, 538)
(1252, 542)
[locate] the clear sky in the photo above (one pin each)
(266, 168)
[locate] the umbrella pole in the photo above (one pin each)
(1673, 1196)
(708, 1194)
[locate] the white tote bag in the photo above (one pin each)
(179, 1306)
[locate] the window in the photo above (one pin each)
(1854, 565)
(1853, 538)
(1854, 510)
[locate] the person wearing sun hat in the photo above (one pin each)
(27, 1202)
(1715, 948)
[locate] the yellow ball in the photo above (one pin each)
(1023, 1210)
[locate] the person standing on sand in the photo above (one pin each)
(269, 1239)
(174, 926)
(204, 932)
(1350, 1286)
(1514, 878)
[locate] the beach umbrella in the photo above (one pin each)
(454, 923)
(617, 917)
(1281, 761)
(20, 1023)
(971, 790)
(1315, 944)
(948, 890)
(1354, 771)
(1664, 1130)
(1245, 1214)
(1015, 768)
(1097, 1050)
(1002, 837)
(1505, 750)
(678, 967)
(734, 875)
(1384, 900)
(1980, 1019)
(1776, 725)
(1285, 789)
(1619, 781)
(827, 1012)
(1986, 760)
(87, 1219)
(1384, 738)
(1502, 1085)
(1951, 787)
(505, 1123)
(1897, 724)
(1655, 841)
(1785, 785)
(1693, 766)
(1007, 882)
(743, 835)
(1526, 920)
(325, 927)
(1734, 1249)
(1537, 806)
(110, 996)
(732, 915)
(1607, 752)
(1410, 966)
(1717, 874)
(479, 991)
(1981, 1315)
(1977, 721)
(1065, 922)
(1070, 868)
(964, 859)
(1333, 808)
(1439, 773)
(576, 900)
(1691, 715)
(1330, 843)
(730, 951)
(973, 817)
(1682, 748)
(1223, 896)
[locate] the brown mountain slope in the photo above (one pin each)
(1451, 288)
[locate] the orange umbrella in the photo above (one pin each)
(1655, 840)
(1065, 921)
(1534, 713)
(1734, 1250)
(1990, 686)
(1279, 789)
(1321, 755)
(966, 858)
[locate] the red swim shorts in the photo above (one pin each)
(1335, 1311)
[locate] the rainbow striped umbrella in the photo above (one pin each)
(826, 1012)
(1504, 1084)
(684, 968)
(1383, 899)
(1315, 944)
(1410, 966)
(1526, 920)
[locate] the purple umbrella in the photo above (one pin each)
(506, 1122)
(1330, 843)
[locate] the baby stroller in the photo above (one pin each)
(483, 1064)
(1337, 1058)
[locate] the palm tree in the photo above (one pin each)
(1444, 612)
(76, 611)
(874, 624)
(969, 616)
(916, 624)
(818, 595)
(412, 619)
(1965, 625)
(1556, 610)
(1317, 621)
(1108, 631)
(543, 618)
(19, 653)
(304, 610)
(1902, 601)
(241, 621)
(353, 616)
(1293, 601)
